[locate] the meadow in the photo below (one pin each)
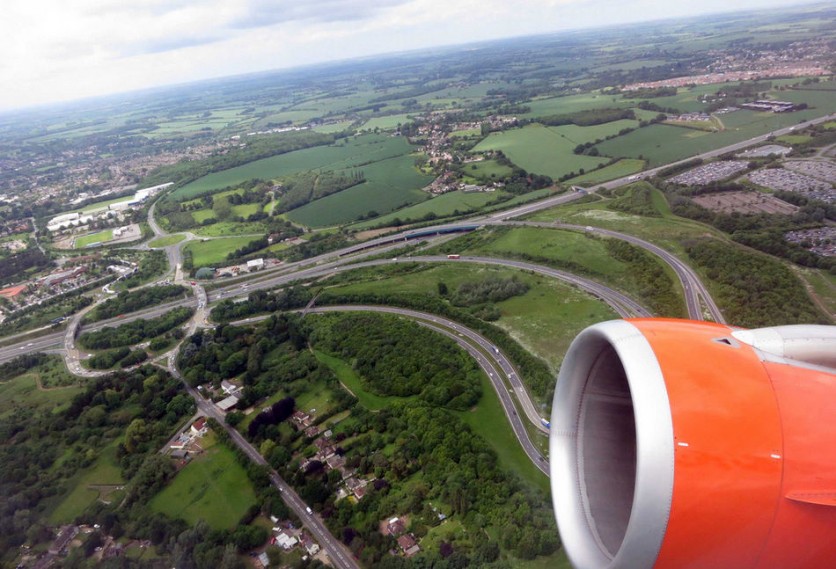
(214, 251)
(540, 150)
(389, 122)
(486, 170)
(391, 178)
(35, 390)
(101, 481)
(667, 231)
(213, 487)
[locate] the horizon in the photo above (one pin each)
(105, 66)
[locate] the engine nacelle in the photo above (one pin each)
(681, 444)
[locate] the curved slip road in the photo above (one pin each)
(695, 292)
(492, 361)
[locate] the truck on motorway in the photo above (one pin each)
(456, 256)
(546, 423)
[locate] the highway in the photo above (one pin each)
(697, 299)
(696, 295)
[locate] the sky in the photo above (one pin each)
(60, 50)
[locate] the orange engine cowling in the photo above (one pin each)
(681, 444)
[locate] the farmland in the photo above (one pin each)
(541, 150)
(389, 184)
(352, 153)
(440, 206)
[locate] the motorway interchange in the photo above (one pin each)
(496, 365)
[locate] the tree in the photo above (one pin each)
(222, 209)
(135, 435)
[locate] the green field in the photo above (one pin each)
(488, 420)
(167, 240)
(213, 251)
(349, 378)
(574, 103)
(544, 320)
(441, 206)
(668, 231)
(334, 127)
(26, 392)
(225, 193)
(243, 210)
(622, 168)
(486, 170)
(100, 481)
(231, 228)
(555, 245)
(540, 150)
(482, 419)
(93, 239)
(581, 134)
(213, 487)
(794, 139)
(389, 184)
(347, 154)
(390, 122)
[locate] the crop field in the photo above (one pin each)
(333, 127)
(622, 168)
(541, 150)
(355, 153)
(93, 239)
(574, 103)
(389, 184)
(487, 170)
(581, 134)
(213, 487)
(385, 123)
(206, 253)
(661, 144)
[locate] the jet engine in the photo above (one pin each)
(682, 444)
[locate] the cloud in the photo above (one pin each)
(261, 13)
